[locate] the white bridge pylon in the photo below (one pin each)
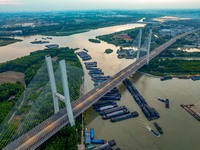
(140, 48)
(57, 96)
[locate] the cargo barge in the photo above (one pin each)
(92, 64)
(94, 69)
(192, 112)
(39, 42)
(52, 46)
(106, 107)
(84, 55)
(106, 146)
(103, 103)
(165, 78)
(115, 114)
(95, 73)
(99, 77)
(125, 116)
(194, 78)
(149, 112)
(104, 112)
(110, 97)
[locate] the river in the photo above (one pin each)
(181, 131)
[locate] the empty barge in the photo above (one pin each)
(191, 111)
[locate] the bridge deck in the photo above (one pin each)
(42, 132)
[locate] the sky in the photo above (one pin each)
(49, 5)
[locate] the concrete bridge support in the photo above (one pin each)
(66, 92)
(149, 45)
(52, 83)
(139, 44)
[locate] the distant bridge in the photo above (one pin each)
(42, 132)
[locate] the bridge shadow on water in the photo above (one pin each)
(90, 115)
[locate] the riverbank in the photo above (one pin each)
(6, 41)
(163, 67)
(148, 75)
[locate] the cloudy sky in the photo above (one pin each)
(44, 5)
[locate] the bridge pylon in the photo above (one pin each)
(66, 92)
(139, 44)
(146, 46)
(149, 45)
(57, 96)
(52, 83)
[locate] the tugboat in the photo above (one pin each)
(158, 128)
(167, 103)
(155, 133)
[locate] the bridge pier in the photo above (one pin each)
(66, 92)
(52, 83)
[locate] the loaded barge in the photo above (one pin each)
(84, 55)
(103, 103)
(104, 112)
(125, 116)
(149, 112)
(115, 114)
(106, 146)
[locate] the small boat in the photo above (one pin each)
(158, 127)
(49, 38)
(155, 133)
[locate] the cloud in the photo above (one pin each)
(10, 2)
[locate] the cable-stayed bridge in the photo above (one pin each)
(42, 132)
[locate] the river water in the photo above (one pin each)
(181, 131)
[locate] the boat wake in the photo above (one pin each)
(155, 133)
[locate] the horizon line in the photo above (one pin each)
(116, 9)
